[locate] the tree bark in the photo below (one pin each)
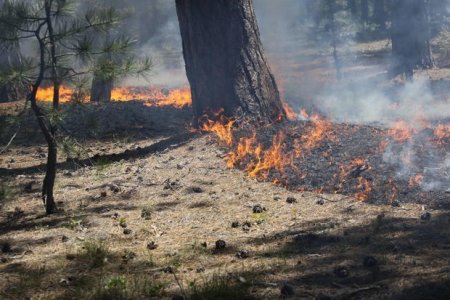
(101, 89)
(5, 95)
(351, 5)
(8, 92)
(379, 15)
(52, 155)
(225, 63)
(337, 63)
(410, 37)
(364, 12)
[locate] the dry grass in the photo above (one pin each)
(300, 243)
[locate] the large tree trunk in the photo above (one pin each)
(225, 63)
(101, 89)
(410, 37)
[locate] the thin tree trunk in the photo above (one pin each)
(52, 155)
(5, 95)
(351, 5)
(225, 62)
(41, 117)
(429, 53)
(379, 15)
(337, 63)
(101, 89)
(364, 12)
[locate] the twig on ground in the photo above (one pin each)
(17, 131)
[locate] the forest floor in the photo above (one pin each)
(143, 200)
(145, 223)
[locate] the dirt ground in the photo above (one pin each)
(164, 200)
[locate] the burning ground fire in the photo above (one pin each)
(319, 155)
(312, 153)
(152, 97)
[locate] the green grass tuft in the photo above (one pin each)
(219, 287)
(96, 253)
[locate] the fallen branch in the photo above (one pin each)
(362, 289)
(10, 141)
(17, 131)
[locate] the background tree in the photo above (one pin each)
(62, 32)
(379, 15)
(113, 66)
(364, 13)
(410, 36)
(9, 57)
(225, 62)
(352, 7)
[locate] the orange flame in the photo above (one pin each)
(272, 158)
(223, 128)
(66, 94)
(415, 180)
(290, 114)
(363, 184)
(152, 96)
(304, 114)
(260, 160)
(401, 131)
(322, 129)
(442, 132)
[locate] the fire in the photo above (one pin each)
(278, 159)
(178, 98)
(322, 129)
(272, 158)
(415, 180)
(304, 114)
(354, 170)
(256, 160)
(401, 131)
(394, 190)
(260, 161)
(366, 187)
(290, 114)
(66, 94)
(243, 148)
(441, 133)
(223, 128)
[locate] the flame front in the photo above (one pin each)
(152, 97)
(66, 94)
(223, 130)
(441, 133)
(262, 161)
(401, 131)
(354, 170)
